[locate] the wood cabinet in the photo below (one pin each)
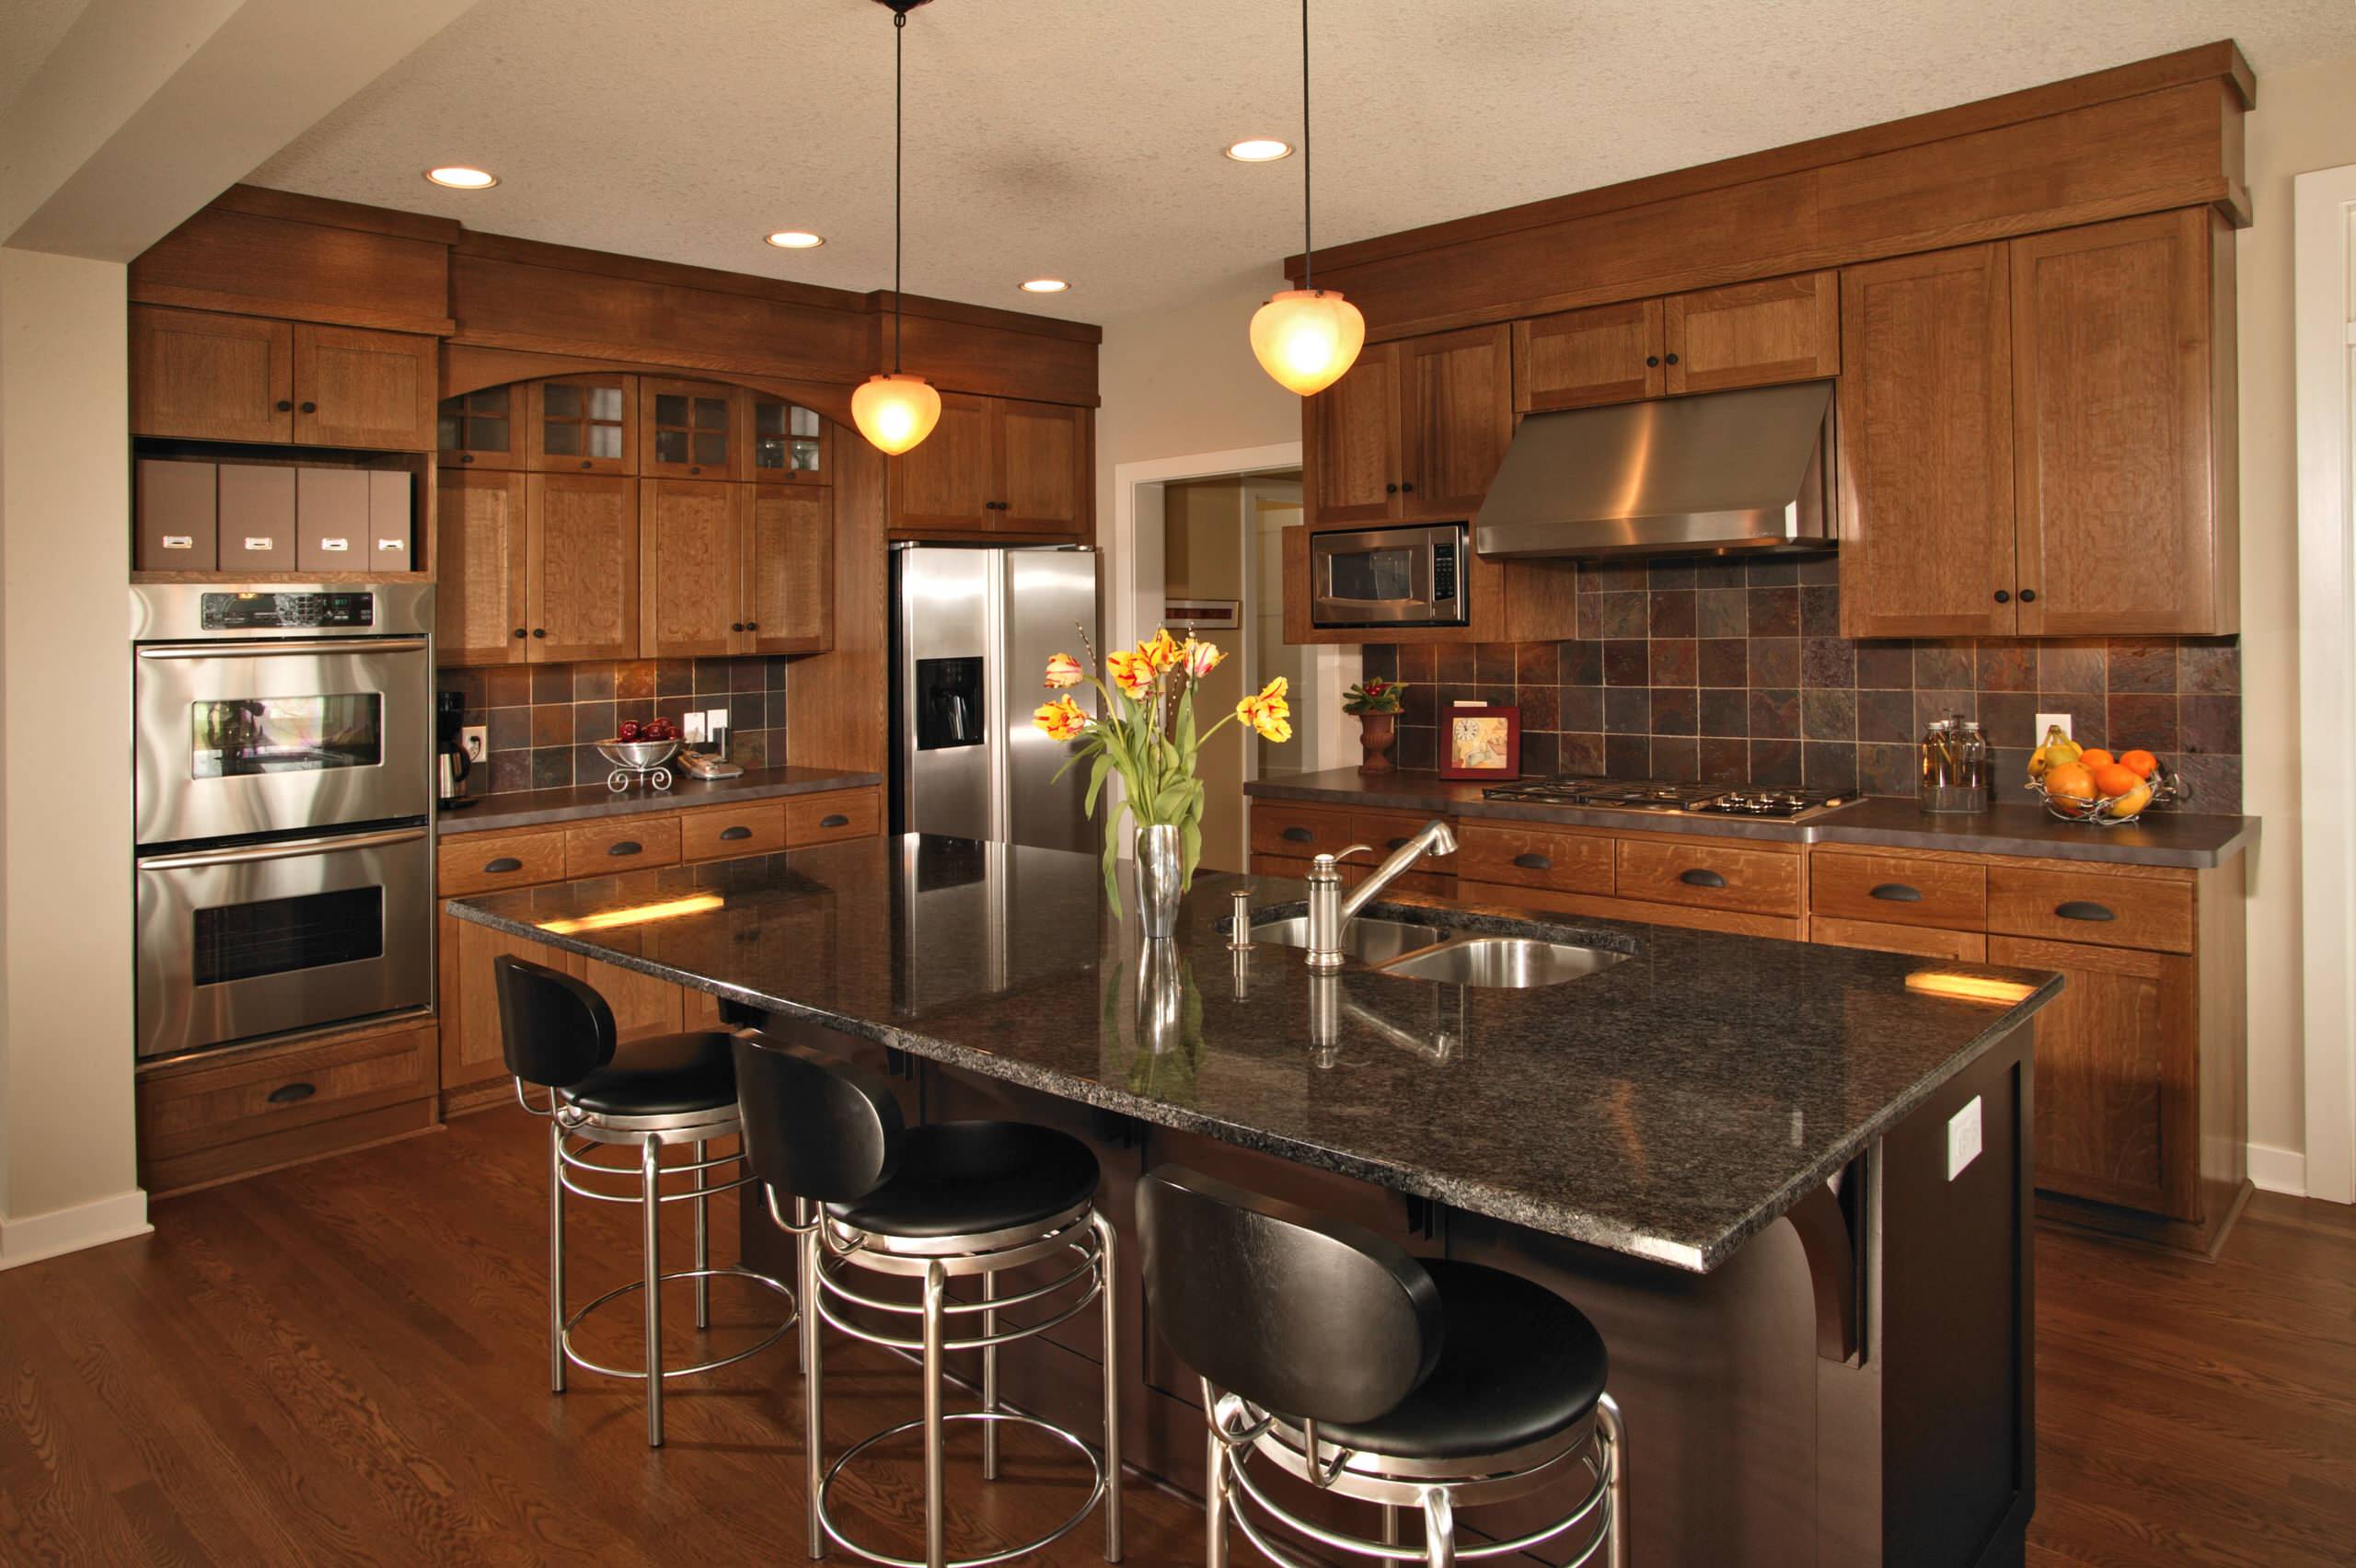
(1415, 431)
(690, 562)
(359, 389)
(1577, 359)
(997, 465)
(688, 430)
(2038, 437)
(582, 566)
(942, 485)
(788, 571)
(784, 443)
(1709, 341)
(205, 376)
(582, 424)
(483, 428)
(481, 612)
(1350, 446)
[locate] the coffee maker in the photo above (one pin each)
(451, 764)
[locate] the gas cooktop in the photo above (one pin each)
(1653, 795)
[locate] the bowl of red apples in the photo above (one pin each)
(641, 745)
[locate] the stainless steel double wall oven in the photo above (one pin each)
(282, 790)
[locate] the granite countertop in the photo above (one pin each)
(2158, 838)
(537, 808)
(1668, 1106)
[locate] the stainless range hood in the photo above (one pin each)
(1721, 472)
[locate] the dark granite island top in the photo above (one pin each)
(1669, 1107)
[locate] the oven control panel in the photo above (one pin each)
(289, 612)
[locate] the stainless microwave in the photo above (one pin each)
(1387, 577)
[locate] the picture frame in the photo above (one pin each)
(1479, 740)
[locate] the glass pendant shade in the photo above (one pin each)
(1307, 338)
(894, 412)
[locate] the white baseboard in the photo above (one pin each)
(2279, 1170)
(40, 1236)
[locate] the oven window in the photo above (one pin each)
(279, 936)
(234, 737)
(1383, 575)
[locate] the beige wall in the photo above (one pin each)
(2306, 120)
(65, 1057)
(1202, 553)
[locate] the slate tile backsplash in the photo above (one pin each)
(1736, 673)
(545, 720)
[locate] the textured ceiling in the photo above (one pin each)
(1080, 138)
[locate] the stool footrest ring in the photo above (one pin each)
(792, 1316)
(1087, 1506)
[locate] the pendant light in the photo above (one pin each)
(1307, 336)
(895, 411)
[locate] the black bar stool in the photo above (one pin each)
(1408, 1383)
(935, 1202)
(558, 1034)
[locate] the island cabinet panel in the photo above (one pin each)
(789, 570)
(205, 376)
(1040, 481)
(1898, 889)
(362, 388)
(691, 553)
(942, 485)
(643, 1005)
(583, 567)
(1926, 446)
(1350, 442)
(2125, 501)
(1577, 359)
(1535, 856)
(480, 615)
(1752, 334)
(471, 1051)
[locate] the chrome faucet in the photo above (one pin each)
(1329, 911)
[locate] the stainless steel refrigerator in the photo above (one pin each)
(972, 631)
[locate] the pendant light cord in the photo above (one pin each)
(899, 30)
(1308, 250)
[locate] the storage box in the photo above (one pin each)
(331, 519)
(392, 528)
(179, 523)
(257, 512)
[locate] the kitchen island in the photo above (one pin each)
(1733, 1153)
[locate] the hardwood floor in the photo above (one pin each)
(346, 1362)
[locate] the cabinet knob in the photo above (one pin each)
(1701, 878)
(625, 847)
(2002, 598)
(288, 1093)
(1896, 893)
(501, 865)
(1390, 490)
(521, 633)
(2028, 596)
(310, 408)
(736, 626)
(694, 470)
(286, 406)
(1672, 359)
(585, 463)
(1534, 862)
(2084, 909)
(1651, 361)
(735, 833)
(752, 626)
(833, 819)
(466, 457)
(1298, 835)
(539, 631)
(1407, 487)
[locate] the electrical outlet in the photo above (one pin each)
(2053, 721)
(1963, 1139)
(691, 729)
(715, 722)
(475, 741)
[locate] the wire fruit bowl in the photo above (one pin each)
(2163, 790)
(636, 761)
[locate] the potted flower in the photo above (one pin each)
(1146, 734)
(1377, 703)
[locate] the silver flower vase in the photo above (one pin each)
(1159, 875)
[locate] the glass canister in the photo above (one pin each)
(1954, 767)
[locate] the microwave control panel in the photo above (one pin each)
(289, 612)
(1443, 577)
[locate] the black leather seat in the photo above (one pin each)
(973, 1178)
(662, 1075)
(1517, 1364)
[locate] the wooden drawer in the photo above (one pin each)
(822, 819)
(1535, 856)
(1549, 901)
(1300, 832)
(1927, 941)
(757, 827)
(270, 1089)
(625, 844)
(1899, 890)
(2107, 908)
(482, 862)
(1710, 874)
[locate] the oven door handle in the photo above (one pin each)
(276, 649)
(283, 850)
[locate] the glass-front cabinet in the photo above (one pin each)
(479, 428)
(582, 424)
(690, 430)
(788, 442)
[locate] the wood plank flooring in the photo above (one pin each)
(346, 1363)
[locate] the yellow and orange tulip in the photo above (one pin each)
(1200, 658)
(1063, 671)
(1132, 673)
(1162, 654)
(1267, 711)
(1062, 720)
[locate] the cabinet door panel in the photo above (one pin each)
(1584, 357)
(582, 578)
(643, 1005)
(790, 569)
(690, 554)
(356, 388)
(1752, 334)
(1458, 394)
(1352, 442)
(942, 484)
(480, 612)
(471, 1051)
(582, 424)
(1037, 456)
(689, 429)
(211, 377)
(2111, 389)
(1926, 446)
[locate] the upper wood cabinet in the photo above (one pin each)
(997, 465)
(1608, 353)
(483, 428)
(942, 484)
(581, 571)
(1415, 431)
(785, 442)
(689, 429)
(582, 424)
(2037, 438)
(1752, 334)
(480, 610)
(690, 554)
(204, 377)
(1925, 449)
(789, 570)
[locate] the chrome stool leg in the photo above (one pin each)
(814, 1424)
(1107, 1256)
(1439, 1528)
(989, 1379)
(936, 1522)
(1614, 1442)
(650, 1171)
(1390, 1525)
(1213, 1488)
(556, 1258)
(704, 1244)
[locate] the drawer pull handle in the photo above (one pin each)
(1898, 893)
(501, 866)
(288, 1093)
(735, 833)
(1698, 878)
(2084, 909)
(833, 819)
(1534, 862)
(1398, 842)
(625, 847)
(1298, 835)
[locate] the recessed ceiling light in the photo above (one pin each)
(1260, 149)
(796, 239)
(457, 177)
(1044, 286)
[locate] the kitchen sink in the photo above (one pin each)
(1505, 963)
(1365, 938)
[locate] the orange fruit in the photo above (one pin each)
(2069, 785)
(2094, 757)
(2141, 763)
(2113, 780)
(2132, 802)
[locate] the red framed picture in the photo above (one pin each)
(1479, 740)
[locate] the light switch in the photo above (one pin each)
(2053, 721)
(1963, 1139)
(691, 729)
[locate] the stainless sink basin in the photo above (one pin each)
(1367, 939)
(1505, 963)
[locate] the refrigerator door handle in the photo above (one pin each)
(997, 684)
